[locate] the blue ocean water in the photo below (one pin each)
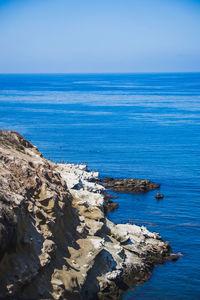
(132, 125)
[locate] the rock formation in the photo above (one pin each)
(129, 185)
(159, 196)
(55, 240)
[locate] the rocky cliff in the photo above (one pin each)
(55, 240)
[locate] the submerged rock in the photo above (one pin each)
(55, 239)
(175, 256)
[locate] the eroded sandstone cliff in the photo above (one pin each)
(55, 240)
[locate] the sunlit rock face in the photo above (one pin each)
(55, 240)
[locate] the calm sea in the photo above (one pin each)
(145, 126)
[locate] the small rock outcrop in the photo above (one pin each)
(55, 239)
(159, 196)
(129, 185)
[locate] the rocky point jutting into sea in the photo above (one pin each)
(55, 239)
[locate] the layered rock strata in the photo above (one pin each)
(55, 240)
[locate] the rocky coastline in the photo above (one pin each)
(55, 239)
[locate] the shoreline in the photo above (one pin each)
(55, 220)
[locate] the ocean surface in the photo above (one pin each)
(145, 126)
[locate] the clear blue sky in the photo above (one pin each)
(97, 36)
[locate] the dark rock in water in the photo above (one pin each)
(129, 185)
(159, 196)
(107, 179)
(175, 256)
(110, 196)
(109, 204)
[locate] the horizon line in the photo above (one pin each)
(98, 73)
